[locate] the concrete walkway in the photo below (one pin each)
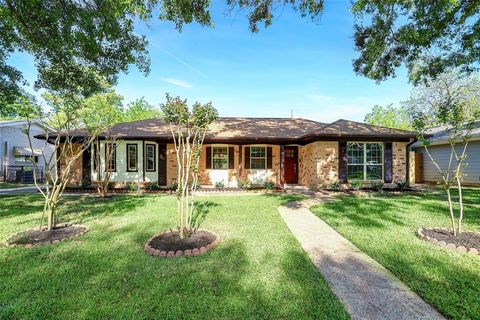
(19, 190)
(366, 288)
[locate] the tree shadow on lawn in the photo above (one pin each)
(363, 212)
(88, 280)
(200, 212)
(447, 280)
(384, 209)
(17, 205)
(284, 198)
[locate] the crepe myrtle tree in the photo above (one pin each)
(452, 101)
(188, 128)
(63, 116)
(101, 111)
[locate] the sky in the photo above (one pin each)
(295, 65)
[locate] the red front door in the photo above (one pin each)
(291, 164)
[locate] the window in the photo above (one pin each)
(220, 158)
(365, 161)
(132, 157)
(150, 157)
(111, 155)
(26, 159)
(258, 158)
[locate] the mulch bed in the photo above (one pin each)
(466, 241)
(35, 237)
(169, 244)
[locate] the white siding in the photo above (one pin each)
(442, 155)
(121, 174)
(16, 137)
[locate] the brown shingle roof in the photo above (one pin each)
(348, 128)
(253, 129)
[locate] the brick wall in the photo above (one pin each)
(318, 164)
(399, 161)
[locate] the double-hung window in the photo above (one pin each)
(111, 157)
(219, 158)
(132, 157)
(258, 157)
(150, 157)
(365, 161)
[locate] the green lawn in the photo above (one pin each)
(384, 225)
(258, 271)
(13, 185)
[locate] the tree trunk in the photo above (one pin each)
(450, 207)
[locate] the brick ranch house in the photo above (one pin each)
(255, 150)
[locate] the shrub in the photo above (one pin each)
(242, 183)
(111, 186)
(132, 186)
(173, 186)
(86, 184)
(401, 184)
(152, 186)
(219, 185)
(356, 185)
(377, 185)
(335, 186)
(195, 186)
(269, 185)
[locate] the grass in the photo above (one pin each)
(258, 271)
(8, 185)
(383, 225)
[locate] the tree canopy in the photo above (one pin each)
(389, 117)
(140, 109)
(429, 37)
(78, 46)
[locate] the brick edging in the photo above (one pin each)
(188, 253)
(450, 246)
(30, 245)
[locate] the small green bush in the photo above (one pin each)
(335, 186)
(152, 187)
(401, 184)
(86, 184)
(377, 185)
(356, 185)
(173, 186)
(195, 186)
(219, 185)
(132, 186)
(242, 183)
(111, 186)
(269, 185)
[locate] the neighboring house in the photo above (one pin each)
(425, 170)
(256, 150)
(15, 151)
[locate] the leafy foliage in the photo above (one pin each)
(269, 185)
(335, 186)
(389, 117)
(429, 37)
(140, 109)
(219, 185)
(80, 46)
(188, 128)
(452, 102)
(77, 45)
(377, 185)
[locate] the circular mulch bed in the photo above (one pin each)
(36, 237)
(169, 244)
(464, 242)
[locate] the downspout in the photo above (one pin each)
(408, 159)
